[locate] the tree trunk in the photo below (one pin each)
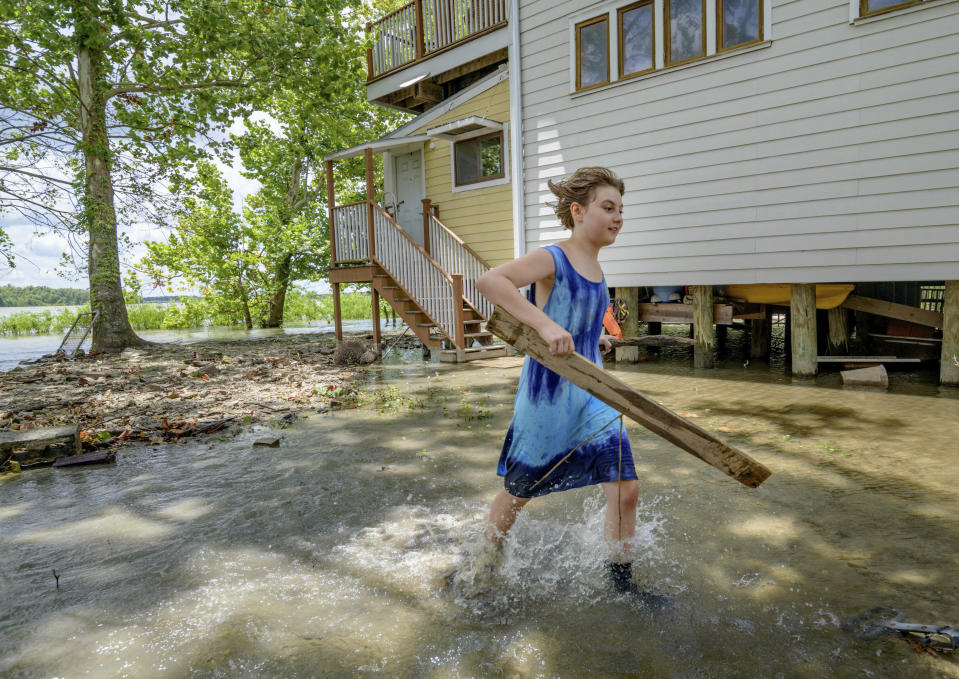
(112, 329)
(277, 302)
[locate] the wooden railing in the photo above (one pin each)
(425, 27)
(438, 280)
(418, 274)
(351, 232)
(454, 255)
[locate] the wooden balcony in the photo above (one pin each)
(422, 30)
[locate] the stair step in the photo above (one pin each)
(478, 320)
(380, 275)
(402, 299)
(426, 325)
(474, 335)
(413, 312)
(391, 287)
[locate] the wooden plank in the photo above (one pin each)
(865, 359)
(96, 457)
(682, 313)
(903, 312)
(635, 405)
(353, 274)
(653, 341)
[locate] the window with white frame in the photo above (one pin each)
(478, 159)
(649, 35)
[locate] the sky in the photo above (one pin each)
(38, 254)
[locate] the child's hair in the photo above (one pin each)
(580, 188)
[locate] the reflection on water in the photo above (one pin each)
(324, 557)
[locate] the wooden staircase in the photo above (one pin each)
(443, 309)
(478, 342)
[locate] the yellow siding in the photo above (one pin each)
(483, 217)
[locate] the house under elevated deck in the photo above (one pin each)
(444, 60)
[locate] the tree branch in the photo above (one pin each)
(36, 176)
(129, 87)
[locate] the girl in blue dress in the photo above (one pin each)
(561, 437)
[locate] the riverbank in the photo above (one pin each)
(166, 392)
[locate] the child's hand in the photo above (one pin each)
(559, 340)
(604, 343)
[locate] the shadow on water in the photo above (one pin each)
(324, 557)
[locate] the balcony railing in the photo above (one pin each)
(424, 27)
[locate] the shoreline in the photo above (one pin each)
(167, 392)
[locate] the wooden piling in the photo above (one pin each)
(802, 312)
(376, 320)
(949, 365)
(630, 326)
(838, 331)
(337, 316)
(760, 330)
(704, 331)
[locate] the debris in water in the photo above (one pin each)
(930, 638)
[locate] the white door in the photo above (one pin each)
(409, 193)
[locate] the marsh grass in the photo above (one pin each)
(301, 306)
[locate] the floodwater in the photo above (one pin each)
(324, 557)
(27, 347)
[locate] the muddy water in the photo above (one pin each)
(324, 557)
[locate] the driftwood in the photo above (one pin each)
(653, 341)
(96, 457)
(635, 405)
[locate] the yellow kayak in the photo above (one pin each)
(828, 295)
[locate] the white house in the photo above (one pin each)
(761, 141)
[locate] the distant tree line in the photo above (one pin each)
(39, 295)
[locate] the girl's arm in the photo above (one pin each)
(501, 287)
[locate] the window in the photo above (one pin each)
(738, 22)
(636, 39)
(592, 52)
(686, 30)
(479, 159)
(867, 7)
(654, 35)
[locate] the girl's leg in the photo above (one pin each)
(620, 525)
(502, 515)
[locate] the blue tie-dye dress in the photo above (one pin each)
(552, 416)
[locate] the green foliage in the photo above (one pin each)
(302, 307)
(39, 295)
(38, 323)
(137, 92)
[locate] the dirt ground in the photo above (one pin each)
(165, 392)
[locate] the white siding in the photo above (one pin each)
(832, 154)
